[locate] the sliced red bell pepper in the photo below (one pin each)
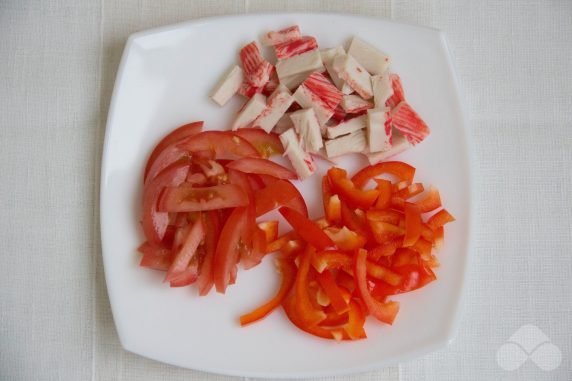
(328, 284)
(331, 259)
(348, 192)
(306, 229)
(288, 271)
(384, 250)
(430, 202)
(384, 199)
(383, 311)
(306, 311)
(412, 224)
(384, 231)
(439, 219)
(345, 239)
(396, 168)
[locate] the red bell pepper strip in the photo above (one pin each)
(396, 168)
(307, 229)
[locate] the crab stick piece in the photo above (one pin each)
(409, 123)
(354, 75)
(276, 106)
(353, 104)
(379, 130)
(301, 160)
(228, 86)
(281, 36)
(354, 142)
(372, 59)
(294, 70)
(295, 47)
(307, 126)
(346, 127)
(251, 110)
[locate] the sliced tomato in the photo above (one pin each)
(212, 222)
(154, 222)
(383, 311)
(196, 179)
(241, 180)
(228, 248)
(439, 219)
(277, 194)
(186, 198)
(307, 229)
(222, 143)
(173, 137)
(288, 271)
(412, 224)
(345, 239)
(262, 167)
(267, 144)
(187, 251)
(306, 310)
(253, 247)
(155, 257)
(397, 168)
(187, 276)
(431, 201)
(167, 157)
(328, 284)
(345, 188)
(384, 188)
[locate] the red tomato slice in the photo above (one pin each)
(267, 144)
(385, 312)
(308, 230)
(345, 188)
(279, 193)
(262, 167)
(188, 276)
(166, 158)
(173, 137)
(228, 247)
(412, 224)
(220, 142)
(186, 198)
(155, 222)
(396, 168)
(288, 271)
(212, 224)
(241, 180)
(154, 257)
(187, 251)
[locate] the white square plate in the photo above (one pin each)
(163, 81)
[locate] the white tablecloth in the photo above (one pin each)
(59, 59)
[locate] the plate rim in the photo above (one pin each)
(452, 327)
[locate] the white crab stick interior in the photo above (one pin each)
(354, 142)
(228, 86)
(301, 160)
(372, 59)
(307, 126)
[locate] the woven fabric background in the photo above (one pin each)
(59, 60)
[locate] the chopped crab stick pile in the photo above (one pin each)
(322, 102)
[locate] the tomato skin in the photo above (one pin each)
(307, 229)
(219, 142)
(186, 198)
(279, 193)
(155, 222)
(173, 137)
(288, 270)
(187, 251)
(262, 167)
(384, 312)
(155, 257)
(267, 144)
(228, 248)
(212, 223)
(397, 168)
(345, 188)
(166, 158)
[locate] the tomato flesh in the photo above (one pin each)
(187, 198)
